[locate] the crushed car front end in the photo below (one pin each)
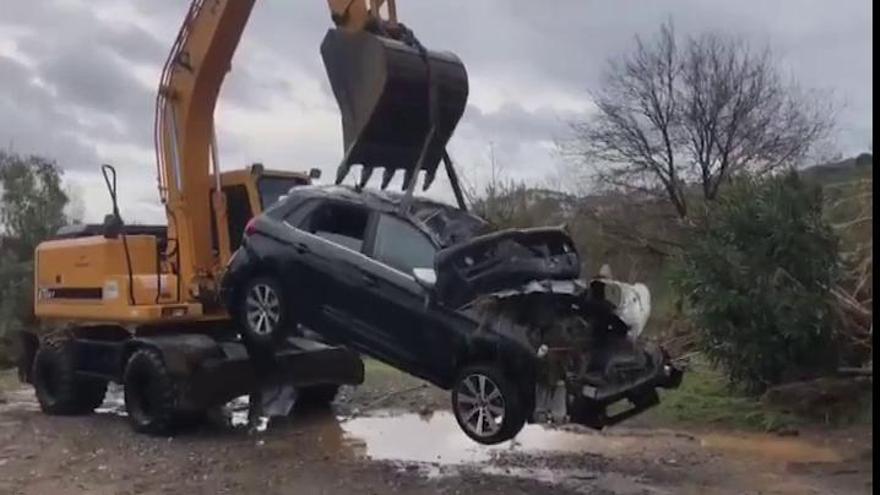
(589, 366)
(587, 361)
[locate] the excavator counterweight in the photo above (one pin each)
(399, 102)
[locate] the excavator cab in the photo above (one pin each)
(399, 102)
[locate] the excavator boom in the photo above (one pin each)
(187, 96)
(399, 105)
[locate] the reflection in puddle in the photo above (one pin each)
(114, 401)
(438, 439)
(436, 446)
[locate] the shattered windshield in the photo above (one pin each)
(449, 225)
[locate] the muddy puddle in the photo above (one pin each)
(618, 460)
(436, 438)
(114, 401)
(434, 445)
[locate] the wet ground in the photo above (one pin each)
(393, 435)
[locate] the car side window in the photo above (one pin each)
(296, 215)
(402, 246)
(339, 223)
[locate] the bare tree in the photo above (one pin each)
(498, 198)
(673, 115)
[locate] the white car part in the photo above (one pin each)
(632, 304)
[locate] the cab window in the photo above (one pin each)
(401, 245)
(238, 213)
(273, 188)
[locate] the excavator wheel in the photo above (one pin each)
(59, 390)
(150, 398)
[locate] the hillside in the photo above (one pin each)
(840, 171)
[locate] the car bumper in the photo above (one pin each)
(592, 406)
(587, 403)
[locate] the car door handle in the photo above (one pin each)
(301, 247)
(370, 279)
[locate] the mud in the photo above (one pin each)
(377, 440)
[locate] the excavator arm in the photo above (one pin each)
(383, 79)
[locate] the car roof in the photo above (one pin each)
(445, 223)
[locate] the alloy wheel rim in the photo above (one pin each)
(480, 405)
(263, 309)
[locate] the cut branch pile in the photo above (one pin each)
(849, 208)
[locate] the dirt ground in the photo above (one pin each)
(394, 435)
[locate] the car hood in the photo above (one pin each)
(506, 259)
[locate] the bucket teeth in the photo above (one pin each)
(366, 172)
(387, 175)
(429, 178)
(407, 177)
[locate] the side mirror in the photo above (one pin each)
(426, 277)
(315, 173)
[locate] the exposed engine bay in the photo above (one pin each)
(586, 339)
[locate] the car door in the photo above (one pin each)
(330, 241)
(407, 332)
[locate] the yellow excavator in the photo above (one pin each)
(139, 305)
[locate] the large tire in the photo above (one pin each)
(58, 388)
(487, 405)
(264, 313)
(150, 393)
(315, 397)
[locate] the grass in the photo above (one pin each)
(703, 399)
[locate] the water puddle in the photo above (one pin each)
(21, 399)
(114, 401)
(436, 447)
(433, 445)
(437, 439)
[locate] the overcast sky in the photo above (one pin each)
(78, 78)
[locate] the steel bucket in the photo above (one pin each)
(384, 89)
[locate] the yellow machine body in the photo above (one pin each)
(86, 279)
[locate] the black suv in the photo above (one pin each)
(500, 318)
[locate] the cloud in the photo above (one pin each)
(79, 76)
(30, 121)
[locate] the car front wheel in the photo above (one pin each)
(263, 313)
(487, 405)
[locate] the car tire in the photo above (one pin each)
(263, 313)
(315, 397)
(58, 389)
(487, 405)
(150, 394)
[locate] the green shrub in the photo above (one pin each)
(754, 277)
(32, 205)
